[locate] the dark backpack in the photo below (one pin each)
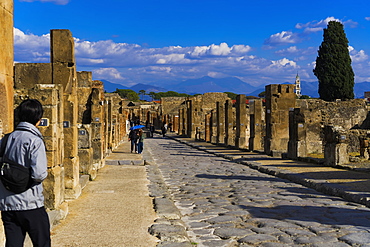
(15, 177)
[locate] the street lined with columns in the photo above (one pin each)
(203, 199)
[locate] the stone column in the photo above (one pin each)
(279, 99)
(176, 123)
(64, 73)
(85, 150)
(213, 126)
(229, 124)
(190, 119)
(297, 135)
(220, 122)
(6, 66)
(208, 127)
(97, 126)
(336, 142)
(256, 125)
(241, 122)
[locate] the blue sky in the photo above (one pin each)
(160, 42)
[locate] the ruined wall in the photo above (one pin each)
(197, 109)
(170, 105)
(311, 115)
(6, 66)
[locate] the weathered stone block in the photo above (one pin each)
(53, 187)
(62, 47)
(27, 75)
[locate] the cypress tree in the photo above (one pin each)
(333, 65)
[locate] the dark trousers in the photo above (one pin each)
(133, 145)
(140, 147)
(35, 222)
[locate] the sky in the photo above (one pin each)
(162, 42)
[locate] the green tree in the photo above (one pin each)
(142, 92)
(333, 65)
(231, 95)
(152, 95)
(128, 94)
(262, 94)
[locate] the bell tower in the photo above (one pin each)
(297, 87)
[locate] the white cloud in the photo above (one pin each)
(218, 50)
(30, 47)
(284, 37)
(129, 64)
(108, 74)
(367, 18)
(357, 56)
(59, 2)
(283, 63)
(316, 26)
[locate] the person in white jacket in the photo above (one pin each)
(24, 212)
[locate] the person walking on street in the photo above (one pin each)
(164, 129)
(133, 138)
(140, 143)
(24, 212)
(151, 130)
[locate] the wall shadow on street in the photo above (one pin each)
(329, 215)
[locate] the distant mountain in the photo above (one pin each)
(361, 88)
(208, 84)
(147, 88)
(110, 87)
(230, 84)
(310, 88)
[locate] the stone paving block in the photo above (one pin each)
(258, 239)
(356, 238)
(226, 233)
(224, 219)
(169, 233)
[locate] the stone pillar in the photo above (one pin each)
(241, 122)
(213, 126)
(97, 126)
(297, 135)
(336, 142)
(85, 150)
(64, 73)
(279, 99)
(256, 125)
(190, 119)
(6, 66)
(208, 127)
(176, 123)
(220, 122)
(181, 121)
(229, 124)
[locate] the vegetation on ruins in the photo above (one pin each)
(333, 65)
(231, 95)
(142, 93)
(128, 94)
(157, 96)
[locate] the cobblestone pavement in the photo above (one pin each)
(224, 203)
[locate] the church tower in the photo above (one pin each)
(297, 86)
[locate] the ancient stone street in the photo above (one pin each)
(224, 203)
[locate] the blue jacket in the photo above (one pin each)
(26, 148)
